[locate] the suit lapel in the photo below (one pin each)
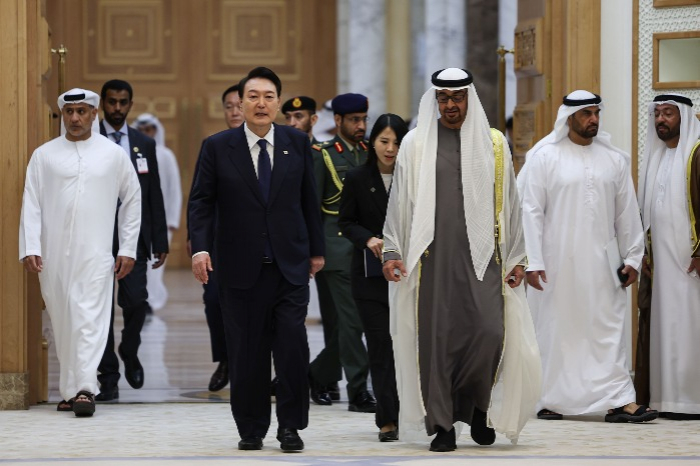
(281, 162)
(375, 184)
(242, 160)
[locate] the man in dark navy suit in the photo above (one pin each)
(132, 296)
(259, 180)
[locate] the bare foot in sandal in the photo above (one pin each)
(631, 412)
(84, 404)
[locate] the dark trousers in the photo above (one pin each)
(215, 322)
(345, 340)
(375, 318)
(326, 368)
(132, 297)
(270, 316)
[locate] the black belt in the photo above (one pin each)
(266, 260)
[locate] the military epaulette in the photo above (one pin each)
(338, 147)
(363, 145)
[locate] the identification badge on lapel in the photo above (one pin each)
(141, 165)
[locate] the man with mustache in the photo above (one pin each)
(669, 197)
(342, 327)
(581, 222)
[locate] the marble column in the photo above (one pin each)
(362, 51)
(445, 36)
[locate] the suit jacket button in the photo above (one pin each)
(340, 233)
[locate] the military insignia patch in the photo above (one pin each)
(363, 145)
(339, 147)
(296, 103)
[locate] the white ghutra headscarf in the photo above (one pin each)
(477, 164)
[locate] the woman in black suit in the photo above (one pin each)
(362, 212)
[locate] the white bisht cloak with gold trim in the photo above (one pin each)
(409, 230)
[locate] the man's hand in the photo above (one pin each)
(201, 266)
(33, 264)
(646, 269)
(389, 270)
(515, 277)
(375, 245)
(123, 266)
(633, 274)
(316, 263)
(533, 279)
(694, 265)
(160, 259)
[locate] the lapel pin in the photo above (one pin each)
(285, 152)
(372, 189)
(136, 149)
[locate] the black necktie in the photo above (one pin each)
(264, 175)
(117, 137)
(264, 169)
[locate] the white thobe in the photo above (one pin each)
(68, 212)
(674, 372)
(172, 201)
(576, 199)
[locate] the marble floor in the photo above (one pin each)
(174, 420)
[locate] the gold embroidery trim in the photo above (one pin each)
(693, 220)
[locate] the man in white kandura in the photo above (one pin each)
(72, 188)
(669, 196)
(151, 126)
(580, 216)
(453, 188)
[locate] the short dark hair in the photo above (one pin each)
(231, 89)
(387, 120)
(264, 73)
(116, 85)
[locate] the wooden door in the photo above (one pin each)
(557, 50)
(180, 55)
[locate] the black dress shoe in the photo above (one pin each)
(289, 440)
(318, 393)
(389, 436)
(108, 394)
(219, 379)
(253, 443)
(481, 434)
(133, 370)
(334, 391)
(444, 440)
(364, 402)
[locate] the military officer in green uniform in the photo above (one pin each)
(341, 322)
(300, 113)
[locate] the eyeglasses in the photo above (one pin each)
(456, 98)
(357, 120)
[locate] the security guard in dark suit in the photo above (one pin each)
(341, 321)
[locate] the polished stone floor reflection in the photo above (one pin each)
(174, 420)
(175, 348)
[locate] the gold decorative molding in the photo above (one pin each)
(132, 37)
(675, 58)
(244, 35)
(163, 107)
(528, 126)
(668, 3)
(529, 47)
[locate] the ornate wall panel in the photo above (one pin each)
(128, 36)
(243, 34)
(529, 40)
(654, 20)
